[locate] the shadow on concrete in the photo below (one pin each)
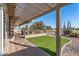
(30, 51)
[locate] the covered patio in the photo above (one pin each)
(21, 13)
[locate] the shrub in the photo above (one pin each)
(67, 32)
(74, 34)
(78, 35)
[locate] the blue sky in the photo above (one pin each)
(69, 12)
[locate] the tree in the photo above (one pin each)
(23, 30)
(49, 27)
(33, 27)
(68, 25)
(68, 29)
(64, 26)
(38, 26)
(26, 27)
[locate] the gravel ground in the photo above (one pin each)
(72, 49)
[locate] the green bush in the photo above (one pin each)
(67, 32)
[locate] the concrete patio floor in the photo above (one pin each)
(21, 47)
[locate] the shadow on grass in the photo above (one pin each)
(49, 51)
(30, 51)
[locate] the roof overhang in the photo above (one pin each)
(26, 12)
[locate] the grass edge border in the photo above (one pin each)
(62, 48)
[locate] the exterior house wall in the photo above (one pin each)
(1, 10)
(6, 28)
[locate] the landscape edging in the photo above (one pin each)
(65, 46)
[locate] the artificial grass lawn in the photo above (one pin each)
(47, 43)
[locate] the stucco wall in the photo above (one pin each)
(0, 31)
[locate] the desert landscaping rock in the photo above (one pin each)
(72, 49)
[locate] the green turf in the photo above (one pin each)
(47, 43)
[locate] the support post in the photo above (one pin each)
(14, 29)
(28, 28)
(58, 36)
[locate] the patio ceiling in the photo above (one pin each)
(26, 12)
